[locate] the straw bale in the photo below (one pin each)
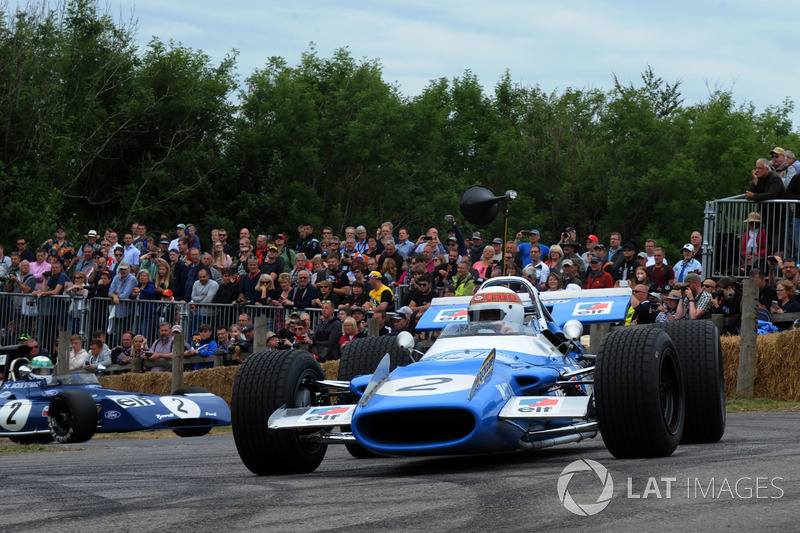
(218, 380)
(777, 365)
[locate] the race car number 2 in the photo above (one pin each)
(14, 414)
(426, 385)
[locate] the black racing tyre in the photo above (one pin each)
(39, 438)
(639, 393)
(700, 353)
(362, 356)
(265, 382)
(72, 416)
(190, 432)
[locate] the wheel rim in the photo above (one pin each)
(302, 398)
(62, 418)
(670, 393)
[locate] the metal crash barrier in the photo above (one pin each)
(729, 249)
(44, 318)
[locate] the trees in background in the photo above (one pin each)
(98, 133)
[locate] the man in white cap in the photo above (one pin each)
(686, 265)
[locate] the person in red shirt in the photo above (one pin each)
(597, 278)
(660, 273)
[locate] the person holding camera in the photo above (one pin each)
(785, 302)
(695, 302)
(162, 348)
(667, 310)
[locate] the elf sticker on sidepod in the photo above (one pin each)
(593, 308)
(451, 315)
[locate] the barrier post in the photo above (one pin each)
(177, 362)
(260, 334)
(62, 363)
(747, 348)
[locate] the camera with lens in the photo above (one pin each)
(718, 294)
(565, 235)
(240, 344)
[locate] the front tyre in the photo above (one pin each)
(639, 393)
(72, 416)
(265, 382)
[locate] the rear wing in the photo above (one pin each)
(591, 306)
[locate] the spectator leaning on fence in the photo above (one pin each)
(766, 185)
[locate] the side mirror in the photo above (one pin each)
(405, 340)
(573, 329)
(23, 371)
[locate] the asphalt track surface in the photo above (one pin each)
(748, 481)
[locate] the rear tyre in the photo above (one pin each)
(700, 354)
(191, 432)
(639, 393)
(265, 382)
(361, 357)
(72, 416)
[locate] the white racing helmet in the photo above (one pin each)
(497, 304)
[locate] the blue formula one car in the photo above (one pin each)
(72, 408)
(507, 372)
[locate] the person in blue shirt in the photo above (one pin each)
(205, 346)
(687, 265)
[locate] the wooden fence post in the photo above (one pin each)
(747, 347)
(177, 362)
(260, 334)
(62, 362)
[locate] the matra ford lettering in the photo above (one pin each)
(506, 373)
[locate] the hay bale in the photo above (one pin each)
(331, 369)
(777, 365)
(218, 380)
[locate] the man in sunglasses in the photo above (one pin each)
(22, 249)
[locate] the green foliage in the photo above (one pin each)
(98, 133)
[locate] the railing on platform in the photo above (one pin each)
(726, 236)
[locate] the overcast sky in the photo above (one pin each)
(744, 46)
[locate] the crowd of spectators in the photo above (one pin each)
(354, 274)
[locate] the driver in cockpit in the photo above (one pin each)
(41, 368)
(498, 306)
